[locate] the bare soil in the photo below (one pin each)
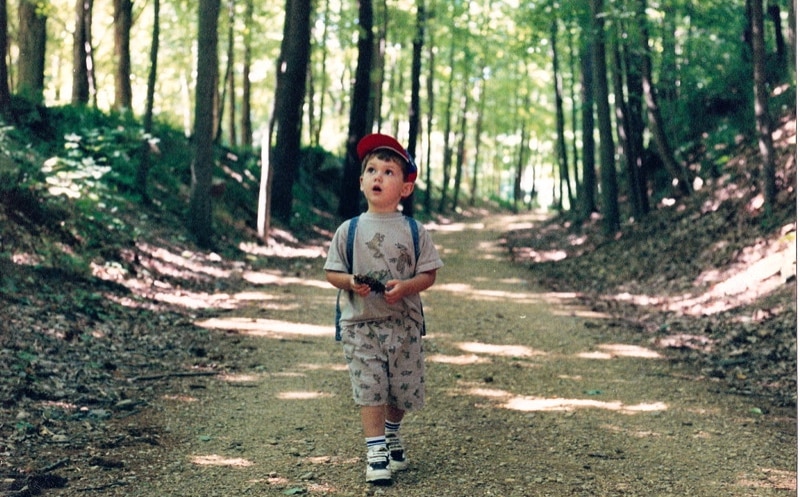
(528, 394)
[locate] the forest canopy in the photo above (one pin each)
(545, 104)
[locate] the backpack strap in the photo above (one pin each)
(351, 239)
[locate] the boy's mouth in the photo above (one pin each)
(377, 189)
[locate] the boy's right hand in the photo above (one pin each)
(361, 289)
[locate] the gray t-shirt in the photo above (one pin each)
(384, 249)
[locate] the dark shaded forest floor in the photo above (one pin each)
(84, 354)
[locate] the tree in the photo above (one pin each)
(123, 20)
(289, 97)
(561, 144)
(143, 169)
(608, 171)
(247, 62)
(200, 208)
(32, 45)
(349, 198)
(763, 121)
(653, 111)
(5, 94)
(414, 108)
(587, 200)
(83, 83)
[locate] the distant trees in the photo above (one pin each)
(500, 115)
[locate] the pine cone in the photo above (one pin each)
(374, 284)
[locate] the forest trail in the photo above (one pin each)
(527, 396)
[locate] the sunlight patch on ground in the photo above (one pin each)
(562, 404)
(181, 398)
(269, 328)
(531, 255)
(319, 367)
(303, 395)
(269, 278)
(527, 403)
(279, 250)
(457, 360)
(470, 292)
(239, 378)
(499, 350)
(217, 460)
(580, 312)
(633, 433)
(771, 478)
(614, 350)
(455, 227)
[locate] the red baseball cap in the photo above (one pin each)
(378, 141)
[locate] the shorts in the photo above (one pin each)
(386, 363)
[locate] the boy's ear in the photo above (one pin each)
(408, 188)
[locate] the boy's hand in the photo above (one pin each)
(361, 289)
(395, 291)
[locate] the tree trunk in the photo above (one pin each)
(144, 163)
(350, 196)
(653, 111)
(561, 144)
(588, 201)
(461, 153)
(414, 108)
(230, 81)
(608, 172)
(247, 62)
(32, 44)
(289, 97)
(763, 121)
(200, 208)
(633, 83)
(123, 20)
(447, 160)
(428, 201)
(82, 59)
(5, 93)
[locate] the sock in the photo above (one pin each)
(391, 428)
(375, 442)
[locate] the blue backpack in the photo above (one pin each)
(351, 237)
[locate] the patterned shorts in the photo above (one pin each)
(386, 363)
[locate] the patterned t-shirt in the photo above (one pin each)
(383, 249)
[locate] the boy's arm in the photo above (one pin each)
(397, 289)
(345, 281)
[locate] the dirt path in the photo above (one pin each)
(526, 397)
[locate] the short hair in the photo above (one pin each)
(388, 155)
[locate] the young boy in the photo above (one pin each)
(381, 316)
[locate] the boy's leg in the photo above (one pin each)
(378, 464)
(397, 453)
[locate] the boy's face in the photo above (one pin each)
(383, 185)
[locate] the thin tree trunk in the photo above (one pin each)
(561, 145)
(428, 201)
(200, 208)
(247, 62)
(763, 121)
(349, 198)
(144, 163)
(587, 202)
(608, 173)
(289, 98)
(83, 64)
(653, 111)
(123, 20)
(447, 160)
(229, 76)
(414, 116)
(5, 93)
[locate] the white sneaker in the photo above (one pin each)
(378, 470)
(397, 453)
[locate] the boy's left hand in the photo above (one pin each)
(395, 291)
